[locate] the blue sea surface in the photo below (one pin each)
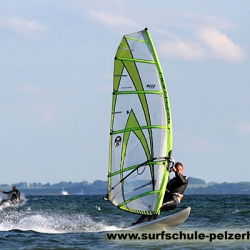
(84, 221)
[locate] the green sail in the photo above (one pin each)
(140, 129)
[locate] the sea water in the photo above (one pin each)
(84, 222)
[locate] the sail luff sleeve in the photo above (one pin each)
(168, 115)
(164, 88)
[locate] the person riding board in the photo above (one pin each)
(15, 196)
(173, 193)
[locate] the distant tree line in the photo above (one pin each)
(62, 184)
(84, 187)
(99, 187)
(70, 184)
(222, 188)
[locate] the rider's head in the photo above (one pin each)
(179, 167)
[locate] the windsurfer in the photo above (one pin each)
(173, 194)
(175, 188)
(15, 196)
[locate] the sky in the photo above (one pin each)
(56, 66)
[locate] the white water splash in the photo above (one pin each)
(22, 202)
(54, 224)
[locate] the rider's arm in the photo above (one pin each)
(181, 178)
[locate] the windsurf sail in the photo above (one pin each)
(141, 128)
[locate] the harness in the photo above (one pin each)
(177, 197)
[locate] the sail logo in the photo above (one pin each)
(118, 141)
(150, 86)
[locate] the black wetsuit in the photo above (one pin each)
(15, 196)
(174, 192)
(172, 197)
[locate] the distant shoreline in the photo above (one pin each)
(98, 187)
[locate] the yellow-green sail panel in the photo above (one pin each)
(141, 128)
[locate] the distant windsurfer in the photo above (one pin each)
(173, 194)
(14, 196)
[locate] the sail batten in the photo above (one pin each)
(135, 60)
(141, 128)
(133, 167)
(138, 128)
(138, 92)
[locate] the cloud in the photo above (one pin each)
(113, 20)
(29, 89)
(211, 44)
(221, 46)
(185, 50)
(243, 128)
(22, 26)
(194, 21)
(48, 113)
